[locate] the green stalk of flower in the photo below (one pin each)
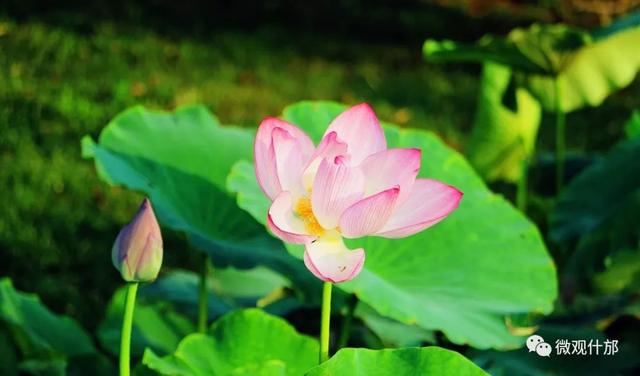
(137, 255)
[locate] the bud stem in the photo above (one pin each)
(325, 322)
(127, 323)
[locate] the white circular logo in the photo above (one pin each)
(543, 349)
(533, 341)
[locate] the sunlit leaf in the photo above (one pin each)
(588, 67)
(463, 275)
(398, 362)
(502, 138)
(596, 71)
(247, 342)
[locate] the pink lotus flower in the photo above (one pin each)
(349, 186)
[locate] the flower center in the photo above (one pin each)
(304, 211)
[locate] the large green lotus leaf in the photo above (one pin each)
(463, 275)
(503, 138)
(155, 325)
(181, 160)
(411, 361)
(41, 331)
(246, 342)
(588, 67)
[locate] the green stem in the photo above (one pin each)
(560, 139)
(127, 323)
(325, 321)
(345, 333)
(203, 295)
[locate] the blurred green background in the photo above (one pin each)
(67, 69)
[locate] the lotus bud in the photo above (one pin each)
(137, 251)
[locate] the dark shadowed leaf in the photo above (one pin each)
(599, 193)
(8, 353)
(41, 331)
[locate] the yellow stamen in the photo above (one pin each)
(304, 211)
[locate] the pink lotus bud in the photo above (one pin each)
(137, 251)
